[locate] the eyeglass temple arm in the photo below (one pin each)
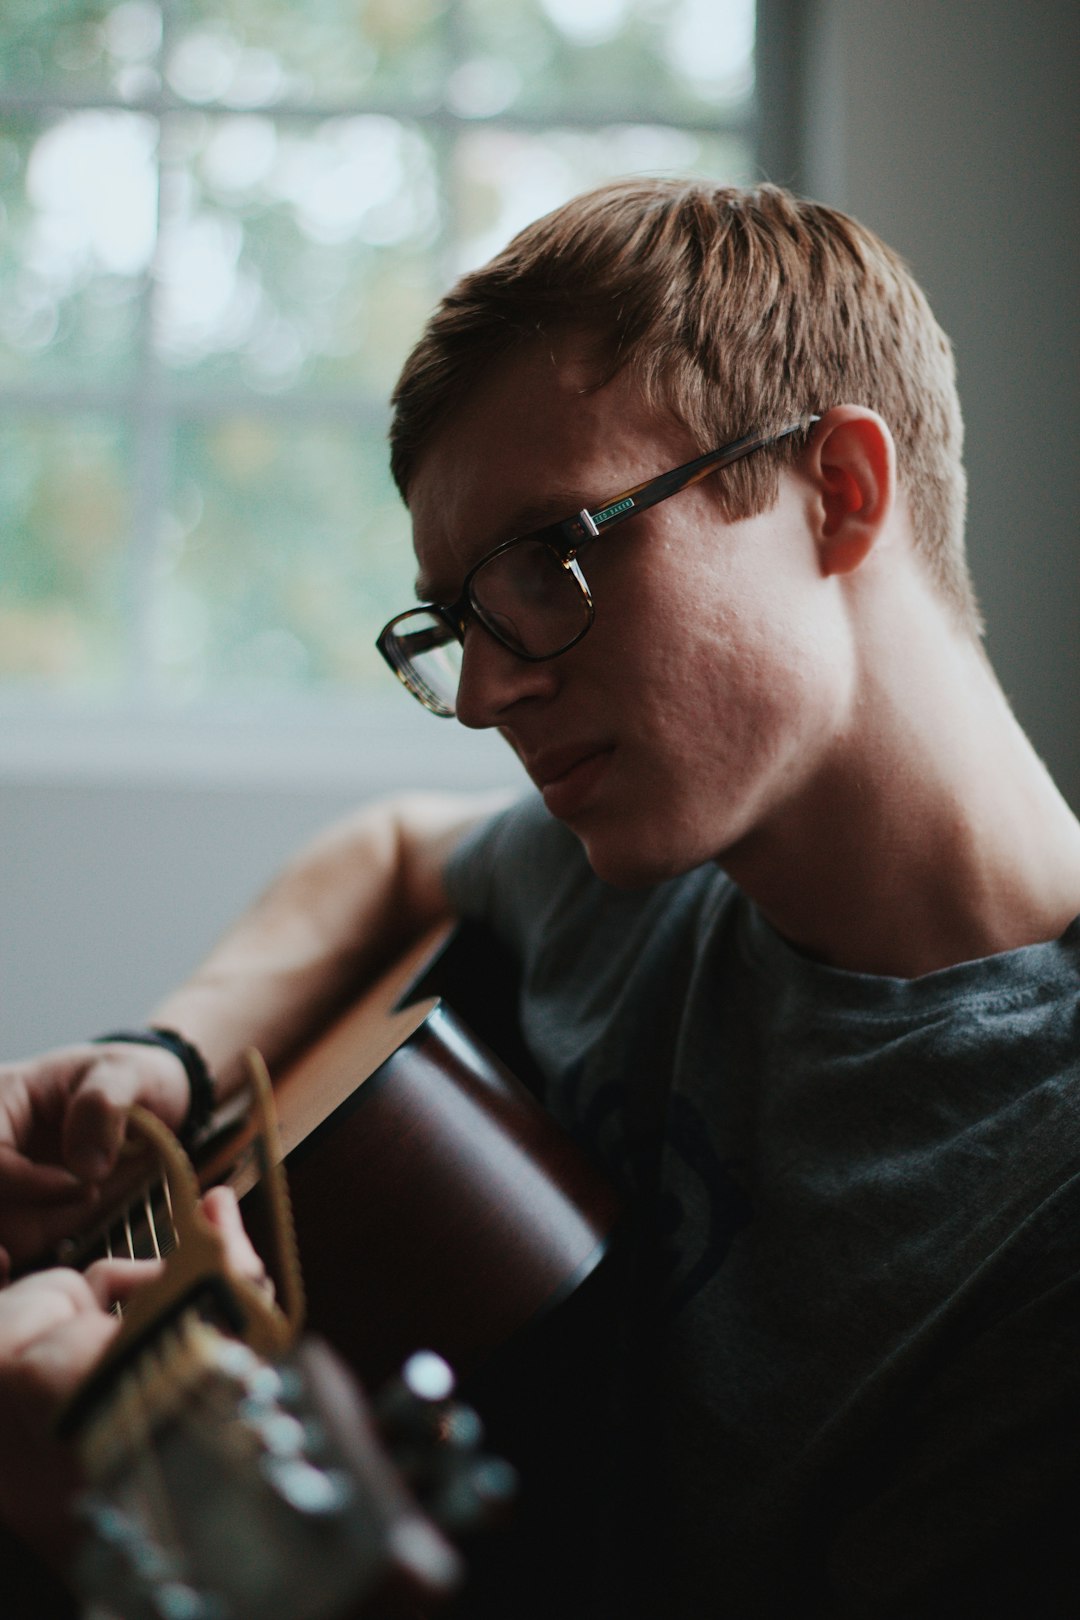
(689, 473)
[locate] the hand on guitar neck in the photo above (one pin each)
(61, 1126)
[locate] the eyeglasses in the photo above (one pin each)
(530, 593)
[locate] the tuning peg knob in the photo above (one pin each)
(472, 1494)
(410, 1407)
(427, 1376)
(436, 1443)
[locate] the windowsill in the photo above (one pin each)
(375, 745)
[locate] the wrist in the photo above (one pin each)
(201, 1091)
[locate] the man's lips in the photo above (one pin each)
(566, 776)
(548, 769)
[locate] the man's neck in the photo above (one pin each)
(932, 834)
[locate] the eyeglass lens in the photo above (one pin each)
(428, 657)
(527, 596)
(530, 599)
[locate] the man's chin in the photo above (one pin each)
(619, 861)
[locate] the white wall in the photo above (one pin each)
(945, 124)
(122, 859)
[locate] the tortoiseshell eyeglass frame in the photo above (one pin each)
(563, 539)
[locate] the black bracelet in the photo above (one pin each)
(200, 1080)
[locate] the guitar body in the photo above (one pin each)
(435, 1201)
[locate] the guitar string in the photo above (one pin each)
(177, 1376)
(169, 1209)
(151, 1224)
(149, 1378)
(160, 1231)
(157, 1516)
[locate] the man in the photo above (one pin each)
(796, 915)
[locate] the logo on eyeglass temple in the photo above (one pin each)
(613, 511)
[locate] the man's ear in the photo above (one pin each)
(851, 461)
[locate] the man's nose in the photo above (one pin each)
(493, 679)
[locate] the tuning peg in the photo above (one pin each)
(124, 1566)
(472, 1494)
(411, 1403)
(315, 1492)
(436, 1443)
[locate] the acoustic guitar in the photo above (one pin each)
(436, 1203)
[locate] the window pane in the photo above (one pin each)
(294, 252)
(252, 53)
(686, 59)
(65, 521)
(237, 265)
(80, 47)
(286, 551)
(78, 200)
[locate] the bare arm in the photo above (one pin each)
(335, 916)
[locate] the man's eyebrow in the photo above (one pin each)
(554, 508)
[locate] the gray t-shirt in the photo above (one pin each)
(864, 1229)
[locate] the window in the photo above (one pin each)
(222, 223)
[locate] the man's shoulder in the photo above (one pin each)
(525, 838)
(519, 842)
(528, 875)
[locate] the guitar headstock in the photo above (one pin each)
(235, 1474)
(228, 1487)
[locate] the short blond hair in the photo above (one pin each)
(739, 311)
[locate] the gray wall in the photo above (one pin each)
(947, 125)
(122, 862)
